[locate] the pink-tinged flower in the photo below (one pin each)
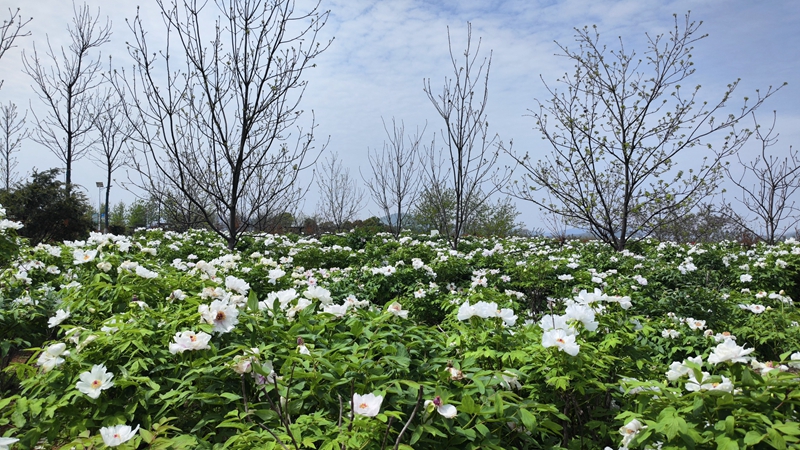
(368, 405)
(396, 309)
(189, 340)
(559, 338)
(96, 381)
(448, 411)
(220, 314)
(116, 435)
(60, 316)
(729, 351)
(455, 374)
(52, 356)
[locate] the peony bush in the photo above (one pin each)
(167, 340)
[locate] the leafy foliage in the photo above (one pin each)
(454, 343)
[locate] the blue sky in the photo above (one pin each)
(383, 50)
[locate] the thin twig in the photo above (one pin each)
(386, 435)
(244, 395)
(274, 435)
(341, 408)
(352, 406)
(410, 418)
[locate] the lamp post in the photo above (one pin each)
(99, 202)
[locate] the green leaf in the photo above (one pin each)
(468, 405)
(146, 436)
(726, 443)
(729, 425)
(252, 301)
(790, 428)
(230, 396)
(528, 419)
(753, 437)
(673, 426)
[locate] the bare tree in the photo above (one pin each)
(114, 131)
(395, 182)
(218, 129)
(10, 30)
(467, 160)
(768, 186)
(618, 130)
(67, 88)
(12, 132)
(340, 198)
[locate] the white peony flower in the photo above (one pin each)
(465, 311)
(116, 435)
(581, 313)
(52, 356)
(336, 310)
(485, 310)
(368, 405)
(60, 316)
(220, 314)
(237, 285)
(80, 256)
(318, 293)
(559, 338)
(96, 381)
(629, 431)
(396, 309)
(6, 442)
(729, 351)
(508, 316)
(448, 411)
(694, 385)
(189, 340)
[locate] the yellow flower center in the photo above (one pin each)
(220, 316)
(193, 338)
(96, 384)
(363, 406)
(560, 340)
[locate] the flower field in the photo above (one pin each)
(360, 341)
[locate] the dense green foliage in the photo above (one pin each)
(45, 210)
(461, 346)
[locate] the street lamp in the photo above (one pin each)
(99, 202)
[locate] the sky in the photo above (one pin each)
(382, 51)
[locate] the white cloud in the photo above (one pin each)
(384, 49)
